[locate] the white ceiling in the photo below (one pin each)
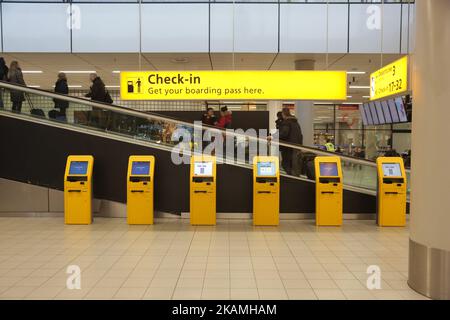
(105, 63)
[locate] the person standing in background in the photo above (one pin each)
(98, 93)
(61, 87)
(330, 146)
(3, 77)
(279, 120)
(15, 76)
(290, 132)
(209, 117)
(225, 118)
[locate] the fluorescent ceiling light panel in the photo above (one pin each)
(78, 71)
(32, 71)
(356, 72)
(359, 87)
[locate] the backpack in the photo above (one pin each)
(108, 98)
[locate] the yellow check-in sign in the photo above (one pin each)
(389, 80)
(233, 85)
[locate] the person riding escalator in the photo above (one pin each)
(290, 132)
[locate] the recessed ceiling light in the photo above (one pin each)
(116, 71)
(78, 71)
(356, 72)
(32, 71)
(349, 97)
(351, 103)
(366, 97)
(112, 86)
(33, 86)
(180, 60)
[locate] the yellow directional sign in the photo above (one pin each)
(241, 85)
(389, 80)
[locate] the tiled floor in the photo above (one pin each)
(173, 260)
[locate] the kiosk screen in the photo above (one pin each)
(78, 167)
(266, 168)
(328, 169)
(140, 168)
(203, 168)
(391, 170)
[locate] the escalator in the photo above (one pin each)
(35, 148)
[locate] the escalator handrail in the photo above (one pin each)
(153, 116)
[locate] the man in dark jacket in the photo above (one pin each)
(279, 120)
(61, 87)
(97, 91)
(290, 132)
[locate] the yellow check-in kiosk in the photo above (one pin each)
(266, 191)
(391, 196)
(203, 190)
(78, 190)
(329, 191)
(140, 189)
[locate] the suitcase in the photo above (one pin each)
(34, 111)
(37, 112)
(310, 170)
(308, 165)
(53, 114)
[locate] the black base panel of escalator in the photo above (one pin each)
(36, 154)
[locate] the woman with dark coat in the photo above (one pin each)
(61, 87)
(15, 76)
(3, 77)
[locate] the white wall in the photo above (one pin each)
(114, 28)
(35, 27)
(202, 27)
(303, 28)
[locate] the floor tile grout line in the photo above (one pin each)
(184, 261)
(253, 269)
(206, 268)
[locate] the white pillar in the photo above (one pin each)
(304, 110)
(429, 252)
